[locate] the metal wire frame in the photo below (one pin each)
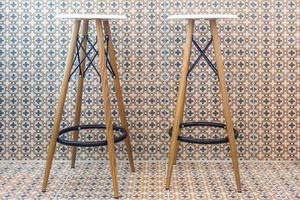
(193, 140)
(62, 139)
(89, 57)
(202, 54)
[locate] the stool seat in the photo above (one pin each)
(79, 16)
(203, 16)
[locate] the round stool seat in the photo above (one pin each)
(203, 141)
(79, 16)
(117, 139)
(203, 16)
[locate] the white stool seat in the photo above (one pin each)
(204, 16)
(90, 16)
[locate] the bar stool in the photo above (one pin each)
(80, 59)
(219, 71)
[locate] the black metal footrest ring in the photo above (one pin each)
(203, 141)
(117, 139)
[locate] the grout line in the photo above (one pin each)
(271, 183)
(160, 161)
(189, 181)
(205, 185)
(164, 187)
(63, 184)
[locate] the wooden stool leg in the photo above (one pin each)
(79, 91)
(119, 96)
(226, 109)
(180, 101)
(60, 106)
(177, 150)
(107, 108)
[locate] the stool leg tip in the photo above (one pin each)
(44, 188)
(238, 189)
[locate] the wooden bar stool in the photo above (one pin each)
(80, 59)
(219, 71)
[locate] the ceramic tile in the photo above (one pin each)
(191, 180)
(22, 180)
(260, 56)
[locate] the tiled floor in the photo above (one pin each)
(197, 180)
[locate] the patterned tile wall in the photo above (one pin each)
(261, 55)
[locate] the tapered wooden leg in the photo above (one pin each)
(107, 108)
(226, 109)
(177, 150)
(60, 106)
(119, 96)
(180, 101)
(79, 91)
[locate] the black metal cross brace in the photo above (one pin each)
(202, 54)
(90, 58)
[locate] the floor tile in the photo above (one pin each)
(191, 180)
(23, 180)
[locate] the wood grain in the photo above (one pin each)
(61, 103)
(79, 90)
(119, 96)
(180, 101)
(107, 108)
(225, 100)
